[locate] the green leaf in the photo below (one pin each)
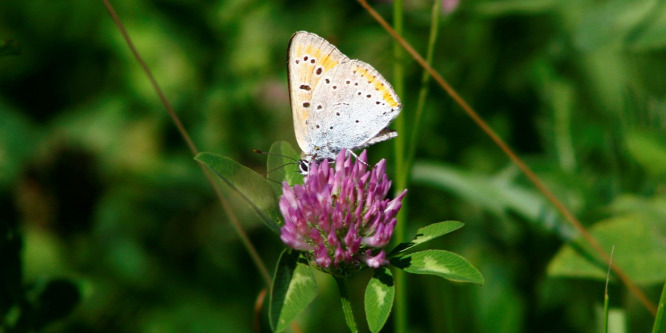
(649, 150)
(513, 7)
(428, 233)
(294, 287)
(441, 263)
(283, 165)
(660, 320)
(499, 195)
(379, 299)
(650, 31)
(640, 250)
(251, 186)
(592, 30)
(18, 140)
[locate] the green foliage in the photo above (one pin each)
(440, 263)
(660, 321)
(649, 150)
(43, 303)
(95, 182)
(254, 188)
(282, 165)
(294, 287)
(639, 249)
(8, 47)
(428, 233)
(379, 298)
(497, 195)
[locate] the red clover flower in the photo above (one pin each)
(340, 216)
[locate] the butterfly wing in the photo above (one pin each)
(310, 58)
(352, 106)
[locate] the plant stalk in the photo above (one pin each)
(400, 143)
(346, 303)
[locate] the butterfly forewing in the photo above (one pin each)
(310, 58)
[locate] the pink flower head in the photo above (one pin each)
(340, 216)
(448, 6)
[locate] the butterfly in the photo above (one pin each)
(337, 103)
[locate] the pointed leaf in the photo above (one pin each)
(648, 34)
(649, 150)
(248, 184)
(499, 194)
(660, 320)
(294, 287)
(640, 250)
(441, 263)
(379, 299)
(283, 165)
(428, 233)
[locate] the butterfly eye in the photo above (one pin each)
(303, 167)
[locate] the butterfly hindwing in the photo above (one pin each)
(356, 104)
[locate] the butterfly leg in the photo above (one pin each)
(351, 152)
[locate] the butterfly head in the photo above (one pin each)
(304, 166)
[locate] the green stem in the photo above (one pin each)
(404, 159)
(605, 313)
(425, 79)
(400, 123)
(399, 86)
(400, 313)
(606, 291)
(660, 320)
(346, 303)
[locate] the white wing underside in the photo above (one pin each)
(336, 102)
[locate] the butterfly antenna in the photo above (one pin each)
(274, 181)
(257, 151)
(280, 167)
(265, 175)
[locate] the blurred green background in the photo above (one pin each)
(103, 210)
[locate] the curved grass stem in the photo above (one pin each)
(423, 92)
(249, 247)
(400, 312)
